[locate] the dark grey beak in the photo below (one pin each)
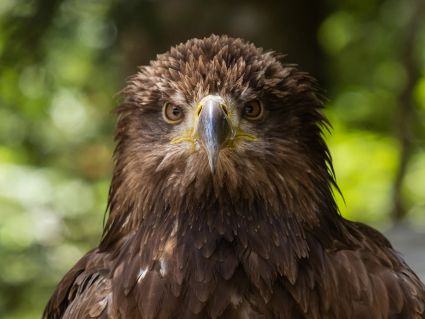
(213, 129)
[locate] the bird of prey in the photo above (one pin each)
(221, 203)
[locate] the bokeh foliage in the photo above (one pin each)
(62, 63)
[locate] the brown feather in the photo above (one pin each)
(259, 238)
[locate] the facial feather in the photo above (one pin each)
(287, 139)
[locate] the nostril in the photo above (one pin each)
(199, 109)
(224, 108)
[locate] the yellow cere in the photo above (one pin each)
(180, 139)
(240, 134)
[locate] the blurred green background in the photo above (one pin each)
(62, 63)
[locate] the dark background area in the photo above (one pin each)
(62, 63)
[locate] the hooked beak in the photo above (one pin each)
(213, 128)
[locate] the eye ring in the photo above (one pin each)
(172, 114)
(253, 110)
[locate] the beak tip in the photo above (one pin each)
(212, 163)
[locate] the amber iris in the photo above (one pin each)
(172, 114)
(253, 110)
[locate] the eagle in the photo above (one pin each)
(221, 203)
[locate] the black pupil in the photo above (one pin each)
(249, 109)
(175, 111)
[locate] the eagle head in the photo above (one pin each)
(218, 118)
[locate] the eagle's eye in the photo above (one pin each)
(172, 114)
(253, 110)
